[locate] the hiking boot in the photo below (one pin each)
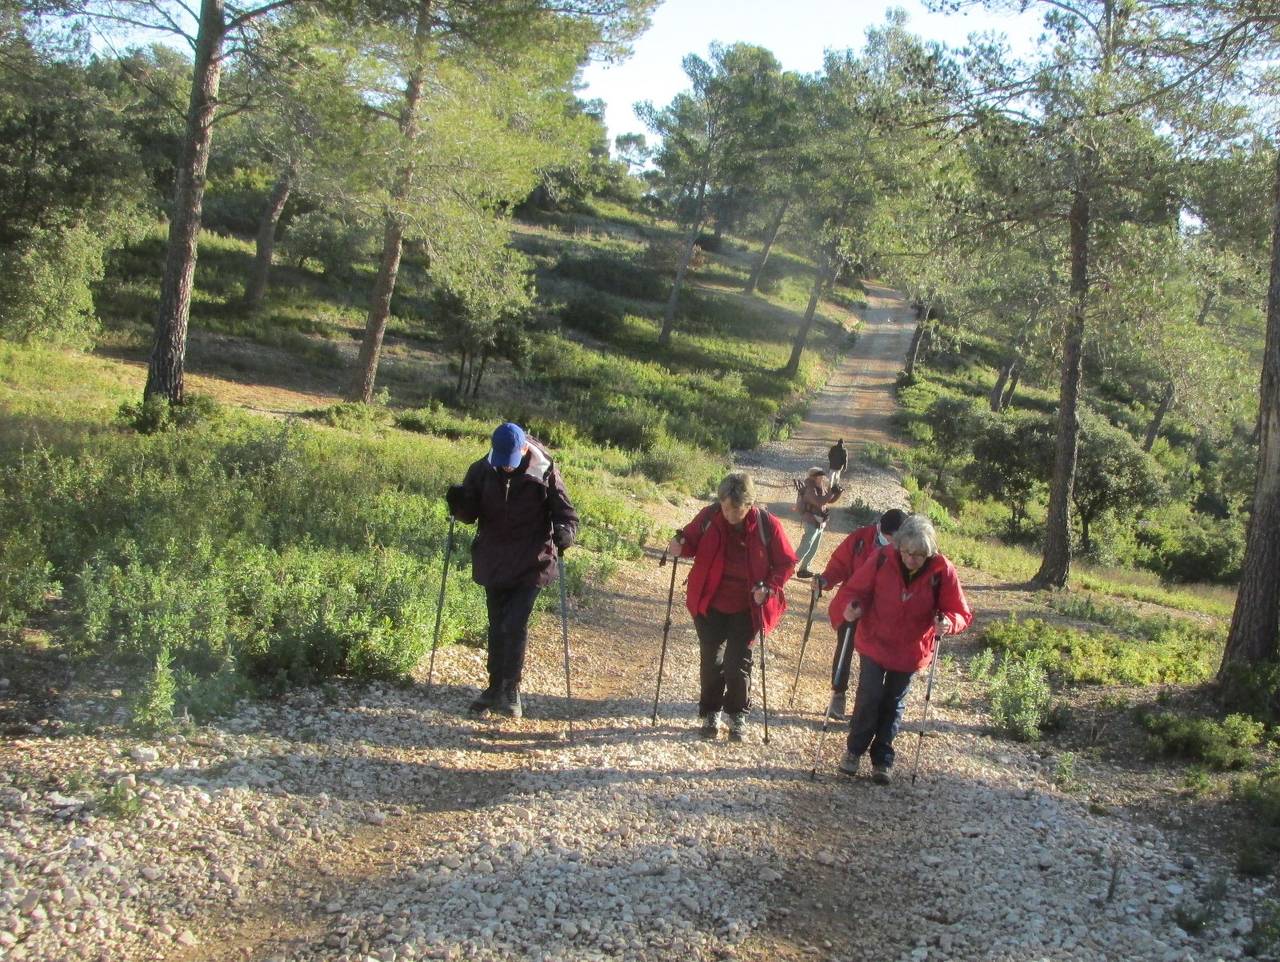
(485, 700)
(850, 763)
(710, 725)
(881, 775)
(508, 702)
(835, 710)
(738, 727)
(804, 573)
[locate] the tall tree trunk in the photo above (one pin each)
(1013, 386)
(1253, 635)
(462, 373)
(917, 339)
(1055, 564)
(772, 235)
(1157, 419)
(375, 326)
(484, 361)
(669, 316)
(996, 394)
(996, 399)
(256, 289)
(169, 349)
(384, 285)
(820, 281)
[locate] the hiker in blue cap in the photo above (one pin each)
(517, 497)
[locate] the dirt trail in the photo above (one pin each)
(399, 828)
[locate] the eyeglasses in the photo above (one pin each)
(914, 554)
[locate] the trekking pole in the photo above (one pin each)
(666, 630)
(564, 629)
(808, 626)
(764, 680)
(444, 578)
(928, 691)
(846, 638)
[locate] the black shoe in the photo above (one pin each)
(738, 727)
(710, 726)
(508, 702)
(804, 573)
(485, 700)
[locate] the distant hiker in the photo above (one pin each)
(849, 554)
(903, 600)
(741, 560)
(814, 496)
(837, 460)
(517, 495)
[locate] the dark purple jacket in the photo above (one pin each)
(515, 512)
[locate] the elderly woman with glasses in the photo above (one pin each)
(903, 598)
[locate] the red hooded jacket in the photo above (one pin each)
(772, 565)
(849, 554)
(896, 628)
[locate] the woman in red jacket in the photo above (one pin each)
(903, 598)
(741, 560)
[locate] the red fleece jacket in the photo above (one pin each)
(896, 628)
(773, 565)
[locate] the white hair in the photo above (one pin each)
(917, 534)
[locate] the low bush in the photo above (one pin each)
(1020, 698)
(154, 414)
(672, 462)
(592, 315)
(880, 455)
(26, 577)
(1221, 745)
(436, 419)
(1174, 655)
(613, 273)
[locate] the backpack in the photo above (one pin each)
(762, 525)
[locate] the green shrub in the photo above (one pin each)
(26, 576)
(982, 664)
(436, 419)
(46, 285)
(592, 315)
(1020, 699)
(882, 456)
(153, 705)
(354, 416)
(861, 513)
(1220, 745)
(336, 243)
(1263, 941)
(1175, 655)
(154, 414)
(613, 273)
(1185, 546)
(1253, 688)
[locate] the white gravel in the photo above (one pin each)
(374, 823)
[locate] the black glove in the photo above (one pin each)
(836, 491)
(562, 538)
(454, 497)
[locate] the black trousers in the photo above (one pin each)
(724, 641)
(841, 662)
(509, 610)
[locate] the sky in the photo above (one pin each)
(797, 31)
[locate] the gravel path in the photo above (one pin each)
(380, 822)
